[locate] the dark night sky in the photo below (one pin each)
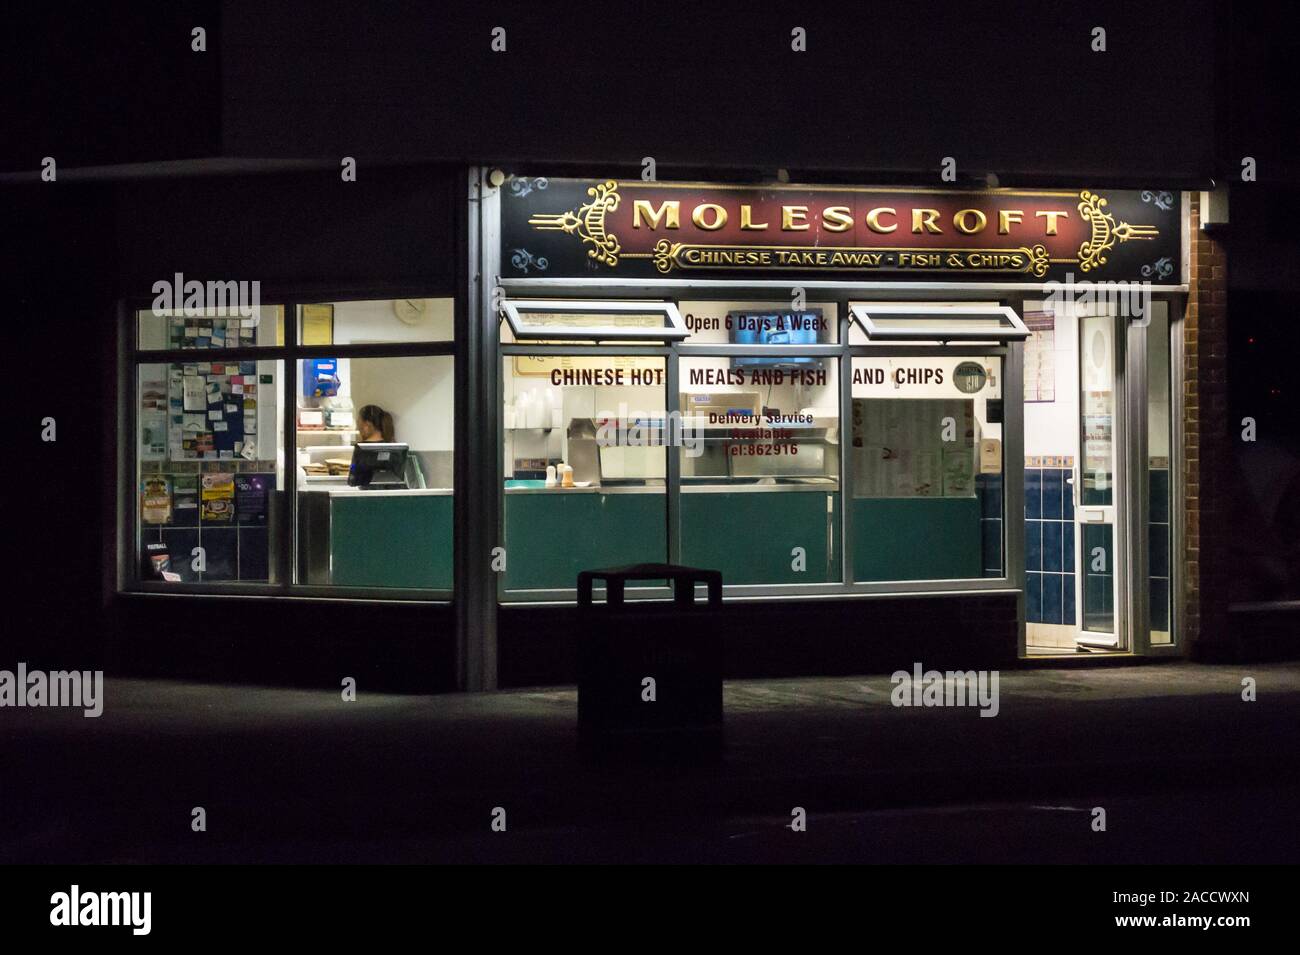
(886, 90)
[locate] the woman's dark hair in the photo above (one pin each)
(379, 419)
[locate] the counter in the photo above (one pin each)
(749, 534)
(740, 528)
(351, 537)
(922, 538)
(552, 533)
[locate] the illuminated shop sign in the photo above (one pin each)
(573, 228)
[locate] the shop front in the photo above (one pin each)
(905, 424)
(846, 400)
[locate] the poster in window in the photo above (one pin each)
(318, 324)
(156, 499)
(218, 498)
(899, 448)
(1040, 357)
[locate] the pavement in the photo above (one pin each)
(1185, 769)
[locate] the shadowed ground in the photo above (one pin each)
(1186, 770)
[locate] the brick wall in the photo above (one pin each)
(1205, 436)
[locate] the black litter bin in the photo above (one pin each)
(621, 646)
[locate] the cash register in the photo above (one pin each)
(378, 465)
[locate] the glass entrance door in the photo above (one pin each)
(1095, 484)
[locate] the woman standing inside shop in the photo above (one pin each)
(374, 424)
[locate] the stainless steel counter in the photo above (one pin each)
(824, 487)
(613, 489)
(347, 490)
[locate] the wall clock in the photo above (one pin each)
(412, 311)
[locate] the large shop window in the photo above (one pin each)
(585, 465)
(926, 450)
(209, 442)
(374, 468)
(760, 471)
(372, 433)
(209, 459)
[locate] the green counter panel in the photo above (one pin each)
(553, 535)
(916, 538)
(391, 541)
(749, 536)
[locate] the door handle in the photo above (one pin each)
(830, 532)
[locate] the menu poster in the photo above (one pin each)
(1040, 357)
(193, 395)
(157, 561)
(250, 498)
(153, 419)
(185, 498)
(218, 498)
(899, 448)
(156, 499)
(317, 324)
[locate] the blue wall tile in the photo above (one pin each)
(1034, 598)
(1067, 600)
(990, 487)
(1052, 598)
(1159, 478)
(1033, 493)
(1052, 546)
(254, 561)
(222, 548)
(1159, 604)
(1067, 546)
(1159, 557)
(1053, 481)
(1033, 545)
(180, 542)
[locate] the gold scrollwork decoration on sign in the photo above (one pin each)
(588, 223)
(1037, 260)
(1105, 232)
(665, 255)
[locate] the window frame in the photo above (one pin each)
(283, 526)
(675, 330)
(860, 313)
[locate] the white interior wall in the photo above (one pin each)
(1158, 409)
(357, 323)
(1052, 427)
(418, 392)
